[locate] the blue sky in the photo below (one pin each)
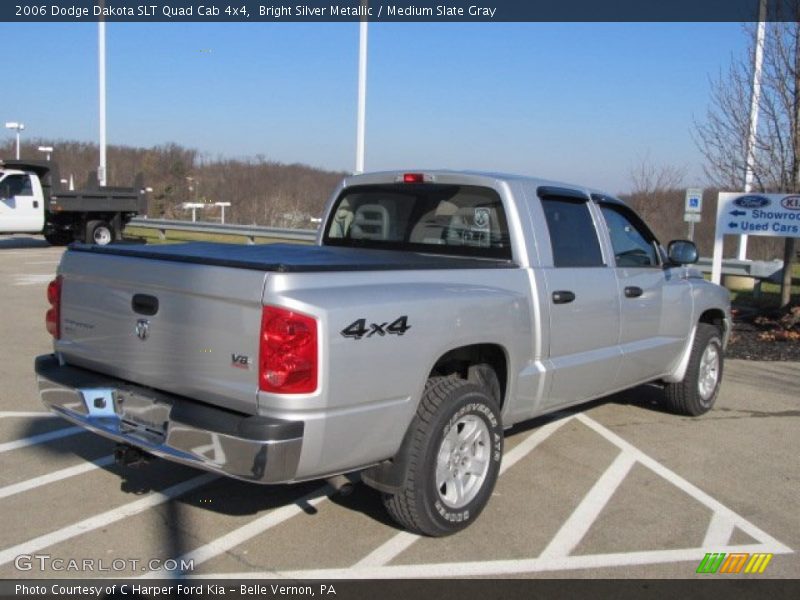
(576, 102)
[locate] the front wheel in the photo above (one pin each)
(698, 391)
(58, 238)
(454, 461)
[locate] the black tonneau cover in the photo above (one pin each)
(294, 258)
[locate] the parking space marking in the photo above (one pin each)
(402, 541)
(40, 439)
(246, 532)
(719, 531)
(679, 482)
(9, 414)
(496, 567)
(556, 556)
(103, 519)
(585, 514)
(32, 279)
(35, 482)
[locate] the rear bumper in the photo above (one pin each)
(252, 448)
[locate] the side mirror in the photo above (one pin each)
(682, 252)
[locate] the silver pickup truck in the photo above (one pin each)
(435, 310)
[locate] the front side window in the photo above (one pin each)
(633, 245)
(446, 219)
(573, 236)
(16, 185)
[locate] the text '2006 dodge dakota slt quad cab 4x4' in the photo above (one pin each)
(435, 310)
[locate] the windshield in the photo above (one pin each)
(447, 219)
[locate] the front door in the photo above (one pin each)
(20, 211)
(656, 302)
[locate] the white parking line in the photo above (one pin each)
(103, 519)
(30, 484)
(496, 567)
(33, 279)
(40, 439)
(246, 532)
(556, 556)
(682, 484)
(8, 414)
(593, 503)
(719, 531)
(402, 541)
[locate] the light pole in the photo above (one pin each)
(47, 150)
(101, 79)
(19, 127)
(222, 206)
(361, 115)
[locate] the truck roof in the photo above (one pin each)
(40, 167)
(470, 177)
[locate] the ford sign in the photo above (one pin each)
(791, 202)
(751, 202)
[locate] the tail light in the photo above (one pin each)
(288, 353)
(53, 317)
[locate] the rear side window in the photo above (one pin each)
(573, 236)
(458, 220)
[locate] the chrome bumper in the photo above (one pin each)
(252, 448)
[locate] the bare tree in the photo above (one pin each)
(722, 136)
(648, 179)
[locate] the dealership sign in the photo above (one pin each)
(740, 213)
(775, 215)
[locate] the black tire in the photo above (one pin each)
(698, 391)
(459, 408)
(100, 233)
(58, 238)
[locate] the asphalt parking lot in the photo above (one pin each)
(618, 489)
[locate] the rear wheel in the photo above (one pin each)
(100, 233)
(699, 389)
(454, 460)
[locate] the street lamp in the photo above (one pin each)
(19, 127)
(46, 149)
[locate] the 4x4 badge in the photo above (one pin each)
(142, 329)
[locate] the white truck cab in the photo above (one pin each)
(22, 202)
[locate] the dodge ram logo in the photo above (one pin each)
(142, 329)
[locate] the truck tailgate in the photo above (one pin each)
(189, 329)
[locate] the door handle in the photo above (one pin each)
(633, 292)
(563, 297)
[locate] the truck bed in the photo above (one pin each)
(295, 258)
(103, 199)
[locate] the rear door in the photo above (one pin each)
(584, 306)
(656, 301)
(20, 208)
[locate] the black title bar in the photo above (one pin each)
(395, 11)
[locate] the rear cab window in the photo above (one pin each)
(573, 236)
(457, 220)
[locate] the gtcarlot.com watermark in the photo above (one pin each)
(46, 562)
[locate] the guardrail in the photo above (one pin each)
(768, 270)
(250, 232)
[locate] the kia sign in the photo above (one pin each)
(776, 215)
